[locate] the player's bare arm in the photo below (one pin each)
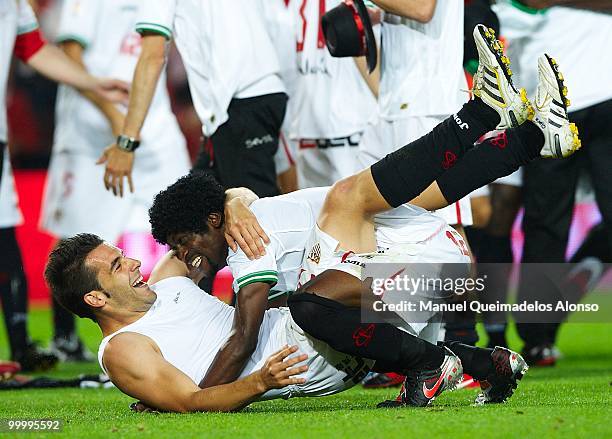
(55, 65)
(74, 51)
(251, 304)
(419, 10)
(119, 162)
(164, 387)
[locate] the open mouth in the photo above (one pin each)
(139, 282)
(195, 262)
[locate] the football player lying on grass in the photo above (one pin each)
(189, 214)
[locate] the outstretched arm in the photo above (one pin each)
(74, 51)
(162, 386)
(55, 65)
(251, 304)
(119, 163)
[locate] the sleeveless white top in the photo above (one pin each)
(190, 326)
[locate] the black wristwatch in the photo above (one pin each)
(128, 144)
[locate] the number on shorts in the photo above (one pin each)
(458, 241)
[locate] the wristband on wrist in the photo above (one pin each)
(127, 143)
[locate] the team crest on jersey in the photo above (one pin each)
(315, 254)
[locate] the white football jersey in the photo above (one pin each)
(224, 46)
(105, 28)
(332, 97)
(189, 327)
(16, 18)
(289, 220)
(281, 25)
(422, 64)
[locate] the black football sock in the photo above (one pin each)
(494, 158)
(13, 292)
(405, 173)
(341, 328)
(476, 362)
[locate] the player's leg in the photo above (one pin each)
(406, 173)
(245, 145)
(14, 298)
(496, 255)
(550, 135)
(341, 327)
(13, 293)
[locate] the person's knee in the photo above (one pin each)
(349, 194)
(342, 193)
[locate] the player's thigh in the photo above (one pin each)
(345, 214)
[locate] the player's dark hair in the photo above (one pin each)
(184, 206)
(68, 275)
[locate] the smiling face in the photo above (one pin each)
(204, 251)
(121, 282)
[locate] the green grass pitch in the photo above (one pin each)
(571, 400)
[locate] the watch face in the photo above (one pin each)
(127, 143)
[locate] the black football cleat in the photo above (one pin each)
(422, 387)
(35, 359)
(509, 368)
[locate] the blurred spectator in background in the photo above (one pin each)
(575, 38)
(20, 35)
(281, 22)
(234, 78)
(100, 36)
(334, 103)
(550, 187)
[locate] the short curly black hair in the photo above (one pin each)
(69, 276)
(184, 206)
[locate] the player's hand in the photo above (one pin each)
(278, 372)
(242, 229)
(113, 90)
(119, 165)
